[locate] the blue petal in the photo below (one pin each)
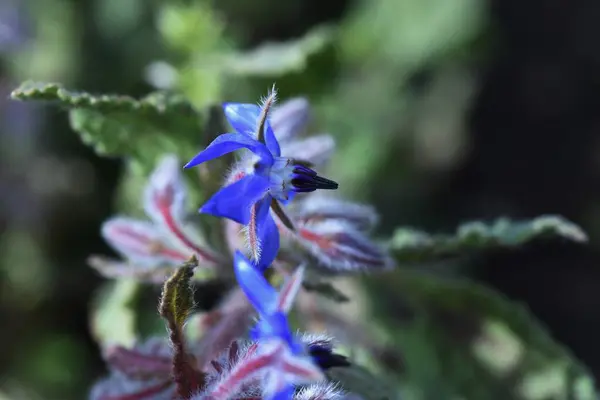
(255, 332)
(261, 295)
(242, 117)
(290, 196)
(273, 325)
(262, 330)
(236, 200)
(271, 140)
(267, 233)
(279, 327)
(228, 142)
(285, 394)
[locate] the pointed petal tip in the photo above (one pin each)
(257, 289)
(228, 104)
(239, 257)
(211, 209)
(234, 201)
(191, 163)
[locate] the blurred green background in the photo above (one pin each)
(444, 111)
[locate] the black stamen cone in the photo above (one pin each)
(302, 184)
(307, 180)
(326, 359)
(324, 183)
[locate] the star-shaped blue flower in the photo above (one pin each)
(273, 326)
(272, 307)
(272, 178)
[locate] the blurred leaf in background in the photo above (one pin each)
(392, 81)
(465, 340)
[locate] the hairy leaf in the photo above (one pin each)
(338, 247)
(176, 303)
(150, 359)
(141, 242)
(276, 363)
(177, 297)
(115, 125)
(276, 59)
(120, 387)
(224, 324)
(473, 342)
(324, 391)
(415, 246)
(318, 207)
(288, 119)
(165, 203)
(316, 150)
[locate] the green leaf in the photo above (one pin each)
(461, 338)
(191, 28)
(362, 382)
(4, 396)
(325, 289)
(113, 314)
(176, 302)
(277, 58)
(178, 297)
(409, 33)
(115, 125)
(411, 245)
(142, 131)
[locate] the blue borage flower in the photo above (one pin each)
(293, 366)
(276, 364)
(273, 178)
(334, 231)
(144, 372)
(270, 305)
